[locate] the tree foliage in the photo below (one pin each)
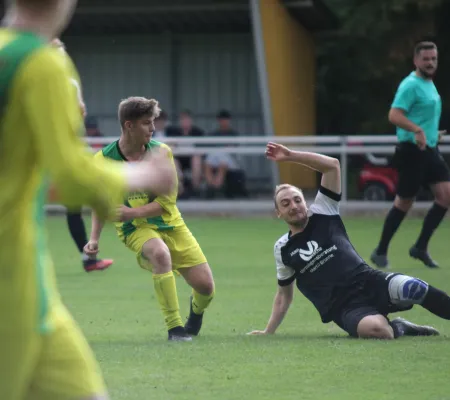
(361, 64)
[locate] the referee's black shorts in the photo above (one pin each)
(418, 168)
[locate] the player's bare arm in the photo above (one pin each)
(398, 118)
(329, 167)
(91, 249)
(282, 301)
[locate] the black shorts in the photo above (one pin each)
(372, 299)
(417, 168)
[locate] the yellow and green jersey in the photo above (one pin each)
(40, 122)
(171, 216)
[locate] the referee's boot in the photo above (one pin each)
(194, 322)
(423, 256)
(380, 260)
(408, 328)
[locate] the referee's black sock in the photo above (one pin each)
(392, 222)
(77, 229)
(432, 220)
(437, 302)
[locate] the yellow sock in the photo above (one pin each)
(166, 292)
(200, 302)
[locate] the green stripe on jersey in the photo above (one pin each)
(12, 55)
(41, 257)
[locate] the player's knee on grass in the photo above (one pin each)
(158, 254)
(375, 327)
(405, 291)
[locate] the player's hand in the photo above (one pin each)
(91, 248)
(124, 214)
(277, 152)
(258, 333)
(154, 173)
(421, 140)
(442, 133)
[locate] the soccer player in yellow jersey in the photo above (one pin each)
(43, 354)
(152, 227)
(75, 221)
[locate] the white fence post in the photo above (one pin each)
(344, 169)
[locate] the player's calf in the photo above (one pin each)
(201, 280)
(406, 291)
(437, 302)
(156, 252)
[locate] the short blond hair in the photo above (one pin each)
(280, 188)
(134, 108)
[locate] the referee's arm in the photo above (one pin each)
(398, 118)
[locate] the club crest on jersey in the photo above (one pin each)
(307, 254)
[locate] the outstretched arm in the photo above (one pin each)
(91, 247)
(329, 167)
(281, 303)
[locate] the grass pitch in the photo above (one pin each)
(305, 360)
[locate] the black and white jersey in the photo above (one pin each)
(321, 259)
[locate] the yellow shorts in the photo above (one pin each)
(58, 365)
(184, 248)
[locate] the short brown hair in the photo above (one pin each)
(282, 187)
(424, 45)
(134, 108)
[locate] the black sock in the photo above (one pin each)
(77, 229)
(430, 223)
(437, 302)
(391, 224)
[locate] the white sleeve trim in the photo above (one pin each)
(283, 272)
(324, 205)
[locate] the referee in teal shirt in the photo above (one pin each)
(416, 112)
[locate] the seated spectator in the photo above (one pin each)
(222, 171)
(191, 166)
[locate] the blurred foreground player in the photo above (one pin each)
(319, 257)
(43, 354)
(75, 221)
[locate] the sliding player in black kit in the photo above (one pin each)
(319, 257)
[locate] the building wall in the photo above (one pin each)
(203, 73)
(291, 73)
